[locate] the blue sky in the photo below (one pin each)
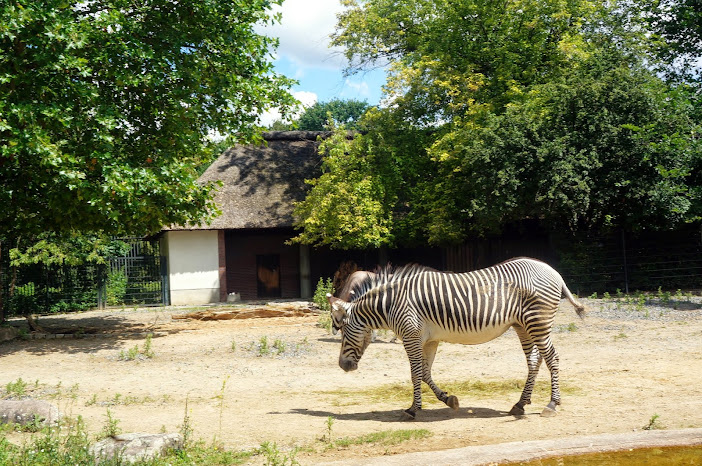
(304, 54)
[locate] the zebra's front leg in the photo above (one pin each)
(414, 352)
(429, 353)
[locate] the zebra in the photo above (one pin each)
(423, 307)
(348, 293)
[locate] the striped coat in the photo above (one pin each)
(424, 307)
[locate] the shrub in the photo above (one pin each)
(320, 294)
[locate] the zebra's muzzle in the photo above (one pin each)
(348, 364)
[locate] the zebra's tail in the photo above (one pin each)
(579, 307)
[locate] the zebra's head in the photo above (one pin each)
(355, 334)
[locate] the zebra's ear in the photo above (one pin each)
(338, 313)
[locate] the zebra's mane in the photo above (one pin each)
(386, 275)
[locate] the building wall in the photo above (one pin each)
(242, 250)
(193, 266)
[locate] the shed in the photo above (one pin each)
(245, 249)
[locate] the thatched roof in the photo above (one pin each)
(261, 182)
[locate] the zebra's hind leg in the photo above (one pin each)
(533, 357)
(429, 352)
(550, 355)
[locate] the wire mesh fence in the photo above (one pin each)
(139, 278)
(628, 262)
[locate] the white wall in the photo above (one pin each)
(193, 266)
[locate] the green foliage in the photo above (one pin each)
(387, 437)
(347, 206)
(336, 113)
(111, 426)
(133, 353)
(274, 457)
(678, 29)
(16, 389)
(320, 293)
(542, 110)
(107, 106)
(116, 287)
(653, 423)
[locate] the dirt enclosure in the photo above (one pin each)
(248, 381)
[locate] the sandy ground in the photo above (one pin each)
(620, 369)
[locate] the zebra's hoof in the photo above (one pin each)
(550, 410)
(452, 402)
(408, 415)
(517, 410)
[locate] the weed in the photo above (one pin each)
(233, 346)
(274, 457)
(69, 444)
(571, 327)
(330, 423)
(186, 428)
(279, 346)
(220, 396)
(263, 348)
(16, 389)
(387, 438)
(146, 352)
(111, 426)
(325, 321)
(92, 401)
(593, 295)
(653, 423)
(320, 299)
(621, 336)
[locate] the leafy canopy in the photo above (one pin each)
(504, 111)
(107, 107)
(336, 112)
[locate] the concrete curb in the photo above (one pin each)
(538, 449)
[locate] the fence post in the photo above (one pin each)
(102, 287)
(165, 285)
(626, 267)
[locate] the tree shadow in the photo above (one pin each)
(72, 334)
(397, 415)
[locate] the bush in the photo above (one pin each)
(116, 288)
(320, 294)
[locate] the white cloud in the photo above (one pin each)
(307, 99)
(304, 33)
(358, 89)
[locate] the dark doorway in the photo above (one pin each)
(268, 275)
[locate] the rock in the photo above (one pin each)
(27, 412)
(135, 446)
(8, 333)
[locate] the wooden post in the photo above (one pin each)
(305, 272)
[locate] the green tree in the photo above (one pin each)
(500, 112)
(336, 112)
(609, 146)
(106, 107)
(445, 56)
(678, 25)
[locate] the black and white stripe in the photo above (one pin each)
(423, 307)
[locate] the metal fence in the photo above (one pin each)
(39, 288)
(628, 262)
(139, 278)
